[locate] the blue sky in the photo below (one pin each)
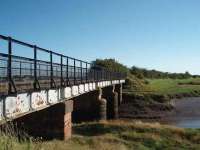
(154, 34)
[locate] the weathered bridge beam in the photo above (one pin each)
(21, 104)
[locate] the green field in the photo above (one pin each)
(116, 135)
(173, 86)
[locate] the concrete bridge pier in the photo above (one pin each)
(52, 122)
(112, 101)
(102, 106)
(118, 89)
(89, 107)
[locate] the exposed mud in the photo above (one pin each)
(184, 112)
(141, 108)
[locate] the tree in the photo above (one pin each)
(111, 64)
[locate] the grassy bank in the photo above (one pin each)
(116, 135)
(151, 98)
(174, 88)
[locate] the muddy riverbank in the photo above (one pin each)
(150, 107)
(184, 112)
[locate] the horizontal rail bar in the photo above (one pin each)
(39, 48)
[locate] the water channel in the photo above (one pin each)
(186, 113)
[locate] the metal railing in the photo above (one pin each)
(19, 74)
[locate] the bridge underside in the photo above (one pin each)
(18, 105)
(34, 86)
(55, 121)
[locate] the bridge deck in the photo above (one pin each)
(30, 83)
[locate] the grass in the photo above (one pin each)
(116, 135)
(124, 135)
(168, 88)
(174, 86)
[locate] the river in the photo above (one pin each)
(186, 113)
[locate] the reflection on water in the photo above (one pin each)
(186, 113)
(188, 123)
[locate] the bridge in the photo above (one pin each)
(45, 91)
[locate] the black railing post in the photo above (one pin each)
(106, 77)
(51, 61)
(81, 72)
(20, 69)
(74, 71)
(67, 71)
(47, 68)
(31, 69)
(39, 70)
(35, 68)
(9, 69)
(104, 74)
(86, 71)
(93, 70)
(94, 73)
(61, 74)
(56, 72)
(101, 74)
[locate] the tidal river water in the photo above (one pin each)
(186, 113)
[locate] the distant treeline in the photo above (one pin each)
(145, 73)
(141, 73)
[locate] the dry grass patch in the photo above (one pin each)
(116, 135)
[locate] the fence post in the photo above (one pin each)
(31, 69)
(39, 70)
(86, 73)
(9, 69)
(93, 73)
(20, 69)
(35, 83)
(101, 74)
(35, 67)
(74, 71)
(81, 72)
(67, 73)
(51, 61)
(61, 69)
(97, 71)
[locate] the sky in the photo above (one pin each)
(152, 34)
